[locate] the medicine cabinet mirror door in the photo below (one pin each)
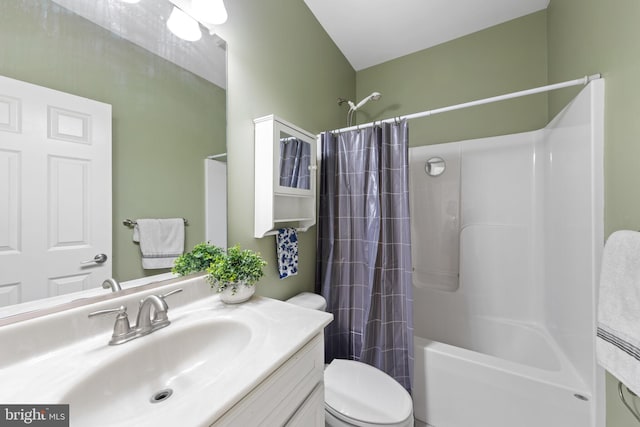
(295, 162)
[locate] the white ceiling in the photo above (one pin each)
(370, 32)
(144, 24)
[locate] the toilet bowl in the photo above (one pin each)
(357, 394)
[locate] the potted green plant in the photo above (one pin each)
(234, 273)
(197, 260)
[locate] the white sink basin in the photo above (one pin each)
(156, 368)
(211, 356)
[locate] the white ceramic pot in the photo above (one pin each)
(237, 293)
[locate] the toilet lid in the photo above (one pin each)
(361, 392)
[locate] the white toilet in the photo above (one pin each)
(357, 394)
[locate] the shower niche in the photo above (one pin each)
(285, 176)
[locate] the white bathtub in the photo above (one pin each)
(504, 374)
(504, 285)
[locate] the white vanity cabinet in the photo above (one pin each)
(293, 395)
(285, 176)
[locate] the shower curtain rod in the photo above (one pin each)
(581, 81)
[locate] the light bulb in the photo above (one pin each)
(183, 26)
(210, 11)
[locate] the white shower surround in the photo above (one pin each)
(512, 341)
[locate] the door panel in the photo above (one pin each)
(55, 192)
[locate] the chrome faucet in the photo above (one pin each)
(145, 324)
(112, 284)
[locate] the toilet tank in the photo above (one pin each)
(309, 300)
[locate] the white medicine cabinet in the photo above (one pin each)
(285, 176)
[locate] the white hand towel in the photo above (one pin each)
(618, 343)
(161, 241)
(287, 249)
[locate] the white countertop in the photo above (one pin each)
(43, 360)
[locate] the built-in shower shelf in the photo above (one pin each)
(276, 204)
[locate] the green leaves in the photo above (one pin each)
(223, 268)
(198, 259)
(235, 265)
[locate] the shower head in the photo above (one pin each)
(353, 107)
(373, 97)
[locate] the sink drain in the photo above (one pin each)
(161, 395)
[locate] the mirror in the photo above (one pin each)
(166, 118)
(295, 159)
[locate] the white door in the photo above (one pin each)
(215, 187)
(55, 192)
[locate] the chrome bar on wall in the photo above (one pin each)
(131, 223)
(624, 401)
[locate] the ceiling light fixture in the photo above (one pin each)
(183, 25)
(130, 1)
(210, 11)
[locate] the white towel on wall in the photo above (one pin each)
(618, 343)
(161, 241)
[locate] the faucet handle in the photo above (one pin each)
(160, 317)
(122, 327)
(175, 291)
(121, 309)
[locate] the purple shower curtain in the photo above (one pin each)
(364, 248)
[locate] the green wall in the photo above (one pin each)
(588, 36)
(280, 61)
(502, 59)
(165, 119)
(585, 37)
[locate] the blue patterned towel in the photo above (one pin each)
(287, 247)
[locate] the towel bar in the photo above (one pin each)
(633, 412)
(275, 232)
(131, 223)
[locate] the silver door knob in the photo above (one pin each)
(98, 259)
